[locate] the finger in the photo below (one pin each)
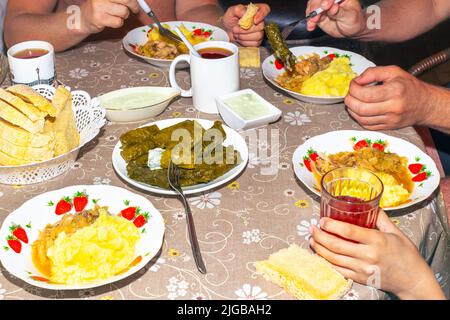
(347, 273)
(335, 259)
(118, 10)
(370, 121)
(250, 43)
(370, 94)
(237, 10)
(337, 245)
(113, 22)
(256, 36)
(347, 230)
(256, 28)
(262, 13)
(377, 74)
(365, 109)
(130, 4)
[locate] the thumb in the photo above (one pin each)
(386, 225)
(237, 11)
(373, 75)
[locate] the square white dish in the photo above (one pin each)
(236, 121)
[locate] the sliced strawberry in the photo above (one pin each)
(129, 213)
(313, 155)
(63, 206)
(362, 144)
(19, 233)
(141, 220)
(421, 176)
(14, 244)
(415, 168)
(307, 163)
(80, 201)
(278, 64)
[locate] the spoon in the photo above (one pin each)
(187, 43)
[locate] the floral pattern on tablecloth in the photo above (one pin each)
(237, 224)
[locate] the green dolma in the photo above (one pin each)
(281, 51)
(138, 135)
(136, 152)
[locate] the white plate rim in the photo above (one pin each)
(301, 150)
(192, 190)
(158, 233)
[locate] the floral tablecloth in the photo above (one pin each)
(238, 224)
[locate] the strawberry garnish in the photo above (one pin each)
(80, 201)
(130, 212)
(14, 244)
(197, 32)
(278, 64)
(313, 155)
(63, 206)
(332, 56)
(206, 34)
(141, 220)
(421, 176)
(415, 168)
(362, 144)
(19, 233)
(307, 163)
(379, 144)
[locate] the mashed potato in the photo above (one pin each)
(394, 193)
(333, 81)
(95, 252)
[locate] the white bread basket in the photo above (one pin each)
(90, 118)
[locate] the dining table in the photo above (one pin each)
(244, 221)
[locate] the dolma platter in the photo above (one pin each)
(232, 138)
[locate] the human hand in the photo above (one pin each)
(99, 14)
(385, 253)
(344, 20)
(251, 37)
(400, 100)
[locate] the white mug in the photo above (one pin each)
(32, 71)
(210, 78)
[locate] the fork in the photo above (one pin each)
(290, 27)
(163, 31)
(173, 175)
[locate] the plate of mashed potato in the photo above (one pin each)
(408, 174)
(322, 74)
(80, 237)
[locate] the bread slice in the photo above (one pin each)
(29, 95)
(304, 275)
(27, 154)
(64, 125)
(33, 113)
(21, 137)
(15, 117)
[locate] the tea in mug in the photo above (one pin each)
(214, 53)
(30, 53)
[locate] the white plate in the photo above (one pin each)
(337, 141)
(37, 213)
(271, 72)
(138, 36)
(233, 138)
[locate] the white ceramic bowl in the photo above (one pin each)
(140, 110)
(235, 121)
